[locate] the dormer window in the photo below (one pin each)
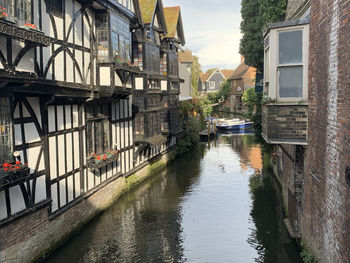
(286, 63)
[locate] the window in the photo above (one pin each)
(140, 125)
(120, 38)
(97, 127)
(102, 36)
(5, 131)
(211, 84)
(286, 63)
(17, 10)
(290, 64)
(54, 7)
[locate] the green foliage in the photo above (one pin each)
(190, 136)
(305, 254)
(196, 71)
(224, 92)
(249, 99)
(256, 15)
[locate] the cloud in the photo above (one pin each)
(212, 30)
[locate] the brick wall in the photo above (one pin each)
(293, 7)
(285, 123)
(326, 217)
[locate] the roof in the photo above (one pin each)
(148, 8)
(171, 18)
(185, 56)
(227, 72)
(211, 71)
(240, 71)
(204, 77)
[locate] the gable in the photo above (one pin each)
(152, 13)
(174, 23)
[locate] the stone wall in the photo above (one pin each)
(326, 216)
(32, 236)
(284, 123)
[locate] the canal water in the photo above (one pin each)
(215, 204)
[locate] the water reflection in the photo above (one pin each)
(212, 205)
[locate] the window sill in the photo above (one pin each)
(10, 29)
(96, 162)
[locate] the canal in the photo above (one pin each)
(215, 204)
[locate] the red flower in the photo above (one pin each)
(6, 165)
(18, 162)
(10, 165)
(26, 164)
(5, 169)
(17, 167)
(105, 157)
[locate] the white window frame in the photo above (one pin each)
(211, 86)
(272, 73)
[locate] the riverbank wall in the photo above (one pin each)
(32, 237)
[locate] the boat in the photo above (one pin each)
(234, 125)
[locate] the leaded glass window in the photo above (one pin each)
(6, 146)
(55, 7)
(97, 125)
(16, 10)
(120, 38)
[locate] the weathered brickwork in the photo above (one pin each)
(31, 236)
(285, 123)
(326, 215)
(293, 8)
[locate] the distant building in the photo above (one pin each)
(212, 80)
(242, 79)
(185, 72)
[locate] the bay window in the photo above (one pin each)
(286, 63)
(113, 42)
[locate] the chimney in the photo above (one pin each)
(242, 58)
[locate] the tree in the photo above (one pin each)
(196, 71)
(256, 16)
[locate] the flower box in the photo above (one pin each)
(97, 161)
(13, 173)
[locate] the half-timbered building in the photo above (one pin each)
(82, 92)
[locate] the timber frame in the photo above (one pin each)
(53, 77)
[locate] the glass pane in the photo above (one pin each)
(291, 82)
(291, 47)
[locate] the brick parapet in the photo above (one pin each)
(285, 123)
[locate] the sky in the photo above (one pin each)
(212, 30)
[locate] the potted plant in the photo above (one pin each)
(97, 161)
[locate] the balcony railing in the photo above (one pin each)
(285, 123)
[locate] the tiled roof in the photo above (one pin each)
(227, 72)
(171, 18)
(185, 56)
(240, 71)
(148, 8)
(204, 77)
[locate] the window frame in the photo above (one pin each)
(9, 155)
(271, 82)
(13, 10)
(101, 115)
(212, 82)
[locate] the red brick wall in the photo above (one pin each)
(326, 205)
